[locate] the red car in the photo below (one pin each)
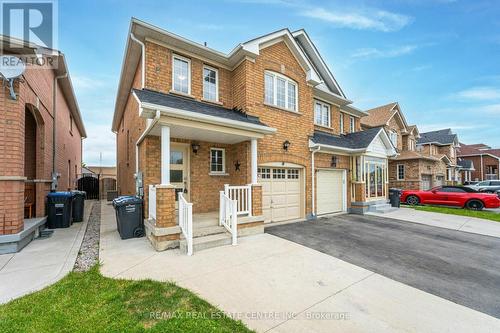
(458, 196)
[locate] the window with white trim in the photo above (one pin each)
(394, 138)
(181, 74)
(341, 123)
(217, 160)
(321, 114)
(401, 171)
(280, 91)
(210, 84)
(352, 124)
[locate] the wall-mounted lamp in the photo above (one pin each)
(195, 147)
(286, 145)
(333, 163)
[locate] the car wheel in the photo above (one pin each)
(474, 205)
(412, 200)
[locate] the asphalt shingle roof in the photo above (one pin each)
(356, 140)
(188, 104)
(379, 116)
(444, 136)
(465, 164)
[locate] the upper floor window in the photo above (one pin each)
(412, 145)
(321, 114)
(394, 138)
(210, 84)
(352, 125)
(181, 74)
(341, 123)
(280, 91)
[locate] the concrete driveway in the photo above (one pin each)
(458, 266)
(275, 285)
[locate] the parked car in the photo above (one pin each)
(458, 196)
(485, 185)
(470, 182)
(489, 189)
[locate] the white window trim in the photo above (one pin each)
(223, 172)
(275, 91)
(397, 171)
(329, 113)
(341, 123)
(393, 136)
(352, 124)
(176, 56)
(216, 82)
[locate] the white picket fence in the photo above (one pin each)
(243, 196)
(228, 216)
(186, 221)
(152, 202)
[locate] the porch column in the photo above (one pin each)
(165, 155)
(253, 151)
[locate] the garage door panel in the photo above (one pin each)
(330, 191)
(281, 194)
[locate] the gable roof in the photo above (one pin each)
(191, 105)
(301, 46)
(357, 141)
(379, 116)
(474, 150)
(440, 137)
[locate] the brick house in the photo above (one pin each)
(415, 166)
(485, 161)
(266, 124)
(37, 153)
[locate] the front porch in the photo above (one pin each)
(199, 175)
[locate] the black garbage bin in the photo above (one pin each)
(129, 217)
(59, 209)
(78, 205)
(115, 202)
(395, 197)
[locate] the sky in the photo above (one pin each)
(440, 59)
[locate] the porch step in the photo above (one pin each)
(207, 242)
(382, 208)
(207, 231)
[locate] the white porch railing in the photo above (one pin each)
(243, 196)
(152, 202)
(186, 221)
(228, 215)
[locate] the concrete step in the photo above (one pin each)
(207, 242)
(382, 208)
(207, 230)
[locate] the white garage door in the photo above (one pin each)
(281, 193)
(330, 191)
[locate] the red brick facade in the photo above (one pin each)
(26, 126)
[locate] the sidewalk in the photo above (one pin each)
(43, 262)
(455, 222)
(265, 280)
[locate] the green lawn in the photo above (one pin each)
(460, 211)
(89, 302)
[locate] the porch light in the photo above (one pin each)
(286, 145)
(333, 164)
(195, 146)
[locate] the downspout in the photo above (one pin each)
(54, 129)
(482, 170)
(313, 212)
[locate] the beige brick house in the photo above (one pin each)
(219, 144)
(423, 160)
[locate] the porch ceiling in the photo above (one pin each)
(203, 132)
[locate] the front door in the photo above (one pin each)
(375, 179)
(179, 169)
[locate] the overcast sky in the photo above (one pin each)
(438, 58)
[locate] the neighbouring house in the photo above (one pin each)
(262, 134)
(410, 169)
(41, 144)
(442, 144)
(486, 161)
(107, 179)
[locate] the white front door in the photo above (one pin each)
(281, 193)
(179, 169)
(330, 191)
